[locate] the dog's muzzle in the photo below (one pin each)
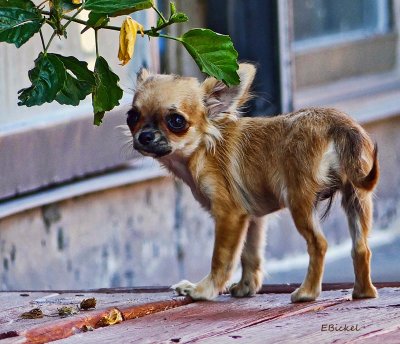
(148, 143)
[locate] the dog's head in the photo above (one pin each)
(172, 114)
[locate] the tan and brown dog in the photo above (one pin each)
(241, 169)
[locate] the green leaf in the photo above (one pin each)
(98, 118)
(107, 93)
(160, 22)
(19, 21)
(96, 20)
(67, 5)
(55, 17)
(78, 86)
(78, 68)
(172, 8)
(179, 17)
(214, 54)
(73, 91)
(117, 7)
(47, 77)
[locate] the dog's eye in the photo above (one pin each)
(133, 117)
(176, 122)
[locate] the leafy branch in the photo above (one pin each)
(67, 80)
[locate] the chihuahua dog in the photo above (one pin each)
(243, 168)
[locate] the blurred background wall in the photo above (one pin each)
(78, 209)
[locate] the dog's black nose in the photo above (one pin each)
(146, 137)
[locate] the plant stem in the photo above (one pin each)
(97, 42)
(159, 14)
(170, 37)
(63, 28)
(80, 21)
(70, 19)
(158, 28)
(49, 42)
(149, 32)
(42, 39)
(42, 3)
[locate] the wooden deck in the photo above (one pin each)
(155, 315)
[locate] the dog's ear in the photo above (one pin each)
(220, 98)
(142, 75)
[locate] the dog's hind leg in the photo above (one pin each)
(357, 204)
(252, 260)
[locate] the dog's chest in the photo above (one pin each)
(181, 170)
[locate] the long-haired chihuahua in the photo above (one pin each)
(243, 168)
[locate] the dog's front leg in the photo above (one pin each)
(230, 230)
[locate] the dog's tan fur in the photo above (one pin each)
(241, 169)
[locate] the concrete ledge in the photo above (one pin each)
(39, 154)
(133, 173)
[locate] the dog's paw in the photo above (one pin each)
(184, 287)
(244, 288)
(204, 290)
(303, 295)
(368, 292)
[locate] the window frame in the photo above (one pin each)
(378, 90)
(383, 26)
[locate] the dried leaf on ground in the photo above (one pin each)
(88, 303)
(35, 313)
(67, 311)
(87, 328)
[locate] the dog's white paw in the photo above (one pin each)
(244, 289)
(369, 291)
(249, 285)
(204, 290)
(303, 295)
(184, 287)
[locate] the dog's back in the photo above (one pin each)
(313, 152)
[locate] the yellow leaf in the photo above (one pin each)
(127, 39)
(76, 2)
(114, 316)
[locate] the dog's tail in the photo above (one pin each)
(358, 156)
(371, 179)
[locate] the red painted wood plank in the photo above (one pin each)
(66, 328)
(226, 319)
(387, 336)
(53, 327)
(351, 321)
(264, 318)
(202, 320)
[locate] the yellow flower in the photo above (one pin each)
(76, 2)
(127, 39)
